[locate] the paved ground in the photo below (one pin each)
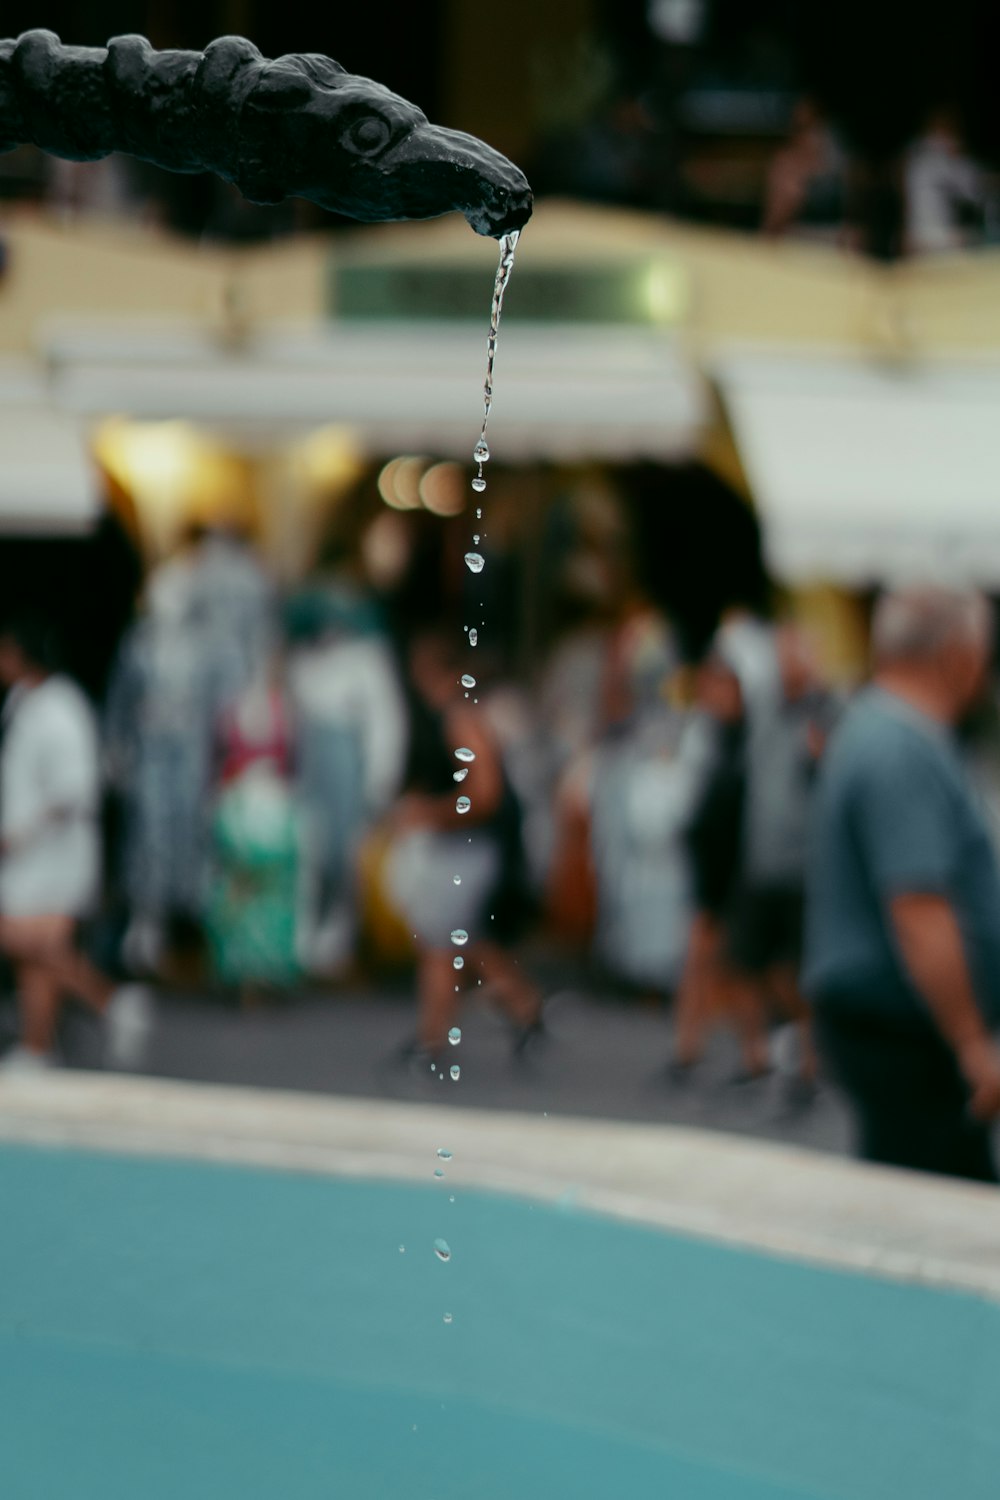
(605, 1055)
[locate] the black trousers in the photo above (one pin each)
(910, 1100)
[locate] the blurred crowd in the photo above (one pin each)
(287, 788)
(927, 196)
(268, 758)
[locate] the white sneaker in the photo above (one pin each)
(129, 1020)
(22, 1062)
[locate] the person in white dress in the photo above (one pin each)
(50, 854)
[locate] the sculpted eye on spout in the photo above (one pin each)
(299, 126)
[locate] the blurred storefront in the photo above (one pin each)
(260, 388)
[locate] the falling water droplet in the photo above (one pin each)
(438, 1172)
(444, 1153)
(455, 1035)
(479, 513)
(463, 753)
(460, 775)
(475, 537)
(460, 937)
(447, 1317)
(455, 1072)
(479, 484)
(473, 637)
(458, 962)
(442, 1250)
(456, 880)
(462, 805)
(402, 1249)
(481, 452)
(468, 680)
(451, 1197)
(475, 562)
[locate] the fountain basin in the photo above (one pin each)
(173, 1325)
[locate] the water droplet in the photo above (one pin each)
(462, 805)
(479, 513)
(460, 937)
(475, 562)
(479, 484)
(451, 1197)
(456, 880)
(468, 680)
(442, 1250)
(438, 1172)
(455, 1072)
(402, 1249)
(481, 452)
(463, 753)
(447, 1317)
(460, 775)
(458, 962)
(444, 1153)
(475, 537)
(455, 1035)
(473, 637)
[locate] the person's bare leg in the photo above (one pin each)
(49, 942)
(76, 975)
(438, 1002)
(38, 1005)
(745, 1004)
(693, 1002)
(519, 997)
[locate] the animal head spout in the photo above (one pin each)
(354, 147)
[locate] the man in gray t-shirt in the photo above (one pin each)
(902, 952)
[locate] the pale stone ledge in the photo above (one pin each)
(792, 1202)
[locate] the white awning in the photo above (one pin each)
(47, 481)
(865, 472)
(561, 392)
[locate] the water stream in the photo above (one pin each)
(475, 562)
(481, 452)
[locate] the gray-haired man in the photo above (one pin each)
(902, 959)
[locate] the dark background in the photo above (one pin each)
(878, 65)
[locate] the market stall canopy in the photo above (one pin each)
(570, 392)
(865, 471)
(47, 481)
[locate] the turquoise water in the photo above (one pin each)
(174, 1330)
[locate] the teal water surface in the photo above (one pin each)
(171, 1329)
